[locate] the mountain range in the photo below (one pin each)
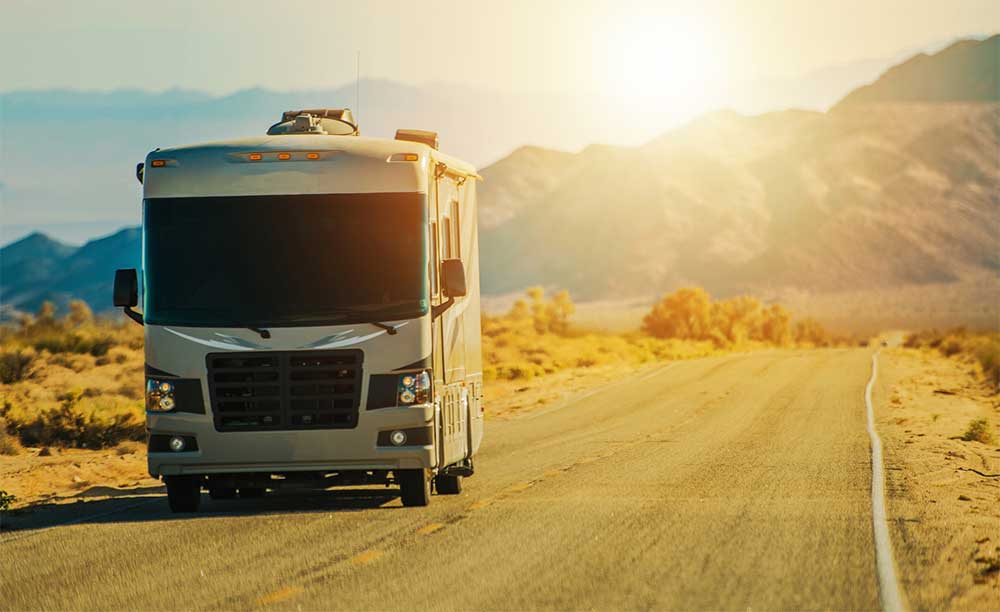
(67, 160)
(894, 186)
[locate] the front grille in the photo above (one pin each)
(254, 391)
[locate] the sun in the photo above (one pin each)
(673, 63)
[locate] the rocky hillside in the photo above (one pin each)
(873, 194)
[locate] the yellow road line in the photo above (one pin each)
(366, 557)
(279, 595)
(429, 529)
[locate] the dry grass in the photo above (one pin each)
(71, 381)
(981, 350)
(535, 337)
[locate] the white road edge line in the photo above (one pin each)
(888, 585)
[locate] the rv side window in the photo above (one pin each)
(456, 231)
(435, 289)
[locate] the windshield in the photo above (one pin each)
(284, 260)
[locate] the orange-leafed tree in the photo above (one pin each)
(685, 314)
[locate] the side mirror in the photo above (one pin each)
(140, 170)
(126, 288)
(453, 278)
(126, 294)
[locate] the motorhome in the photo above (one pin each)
(310, 300)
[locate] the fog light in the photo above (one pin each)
(176, 443)
(398, 438)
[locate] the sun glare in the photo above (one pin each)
(669, 63)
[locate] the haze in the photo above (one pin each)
(666, 50)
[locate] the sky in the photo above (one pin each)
(661, 50)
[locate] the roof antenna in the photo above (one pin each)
(357, 89)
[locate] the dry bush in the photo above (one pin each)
(979, 430)
(9, 444)
(691, 314)
(15, 364)
(74, 426)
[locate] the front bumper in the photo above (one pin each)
(317, 450)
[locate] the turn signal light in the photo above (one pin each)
(158, 163)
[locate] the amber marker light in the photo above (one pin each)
(256, 157)
(158, 163)
(312, 155)
(284, 156)
(404, 157)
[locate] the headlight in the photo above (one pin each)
(414, 388)
(159, 395)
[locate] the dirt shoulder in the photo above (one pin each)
(75, 475)
(945, 517)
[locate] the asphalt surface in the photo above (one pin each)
(736, 482)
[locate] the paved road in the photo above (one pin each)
(734, 482)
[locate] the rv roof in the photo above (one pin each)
(353, 145)
(345, 164)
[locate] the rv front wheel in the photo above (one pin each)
(183, 493)
(414, 487)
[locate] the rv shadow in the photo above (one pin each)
(150, 504)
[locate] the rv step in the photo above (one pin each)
(464, 468)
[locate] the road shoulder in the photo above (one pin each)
(944, 517)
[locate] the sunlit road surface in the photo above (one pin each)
(732, 482)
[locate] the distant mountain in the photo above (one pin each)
(869, 195)
(37, 268)
(968, 71)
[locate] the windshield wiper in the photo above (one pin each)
(358, 312)
(389, 329)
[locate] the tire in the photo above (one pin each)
(252, 492)
(414, 487)
(448, 485)
(183, 493)
(222, 492)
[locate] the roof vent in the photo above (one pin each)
(331, 121)
(422, 136)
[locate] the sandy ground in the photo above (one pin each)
(75, 475)
(945, 517)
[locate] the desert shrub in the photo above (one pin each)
(950, 348)
(9, 444)
(988, 356)
(978, 431)
(69, 425)
(15, 364)
(6, 500)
